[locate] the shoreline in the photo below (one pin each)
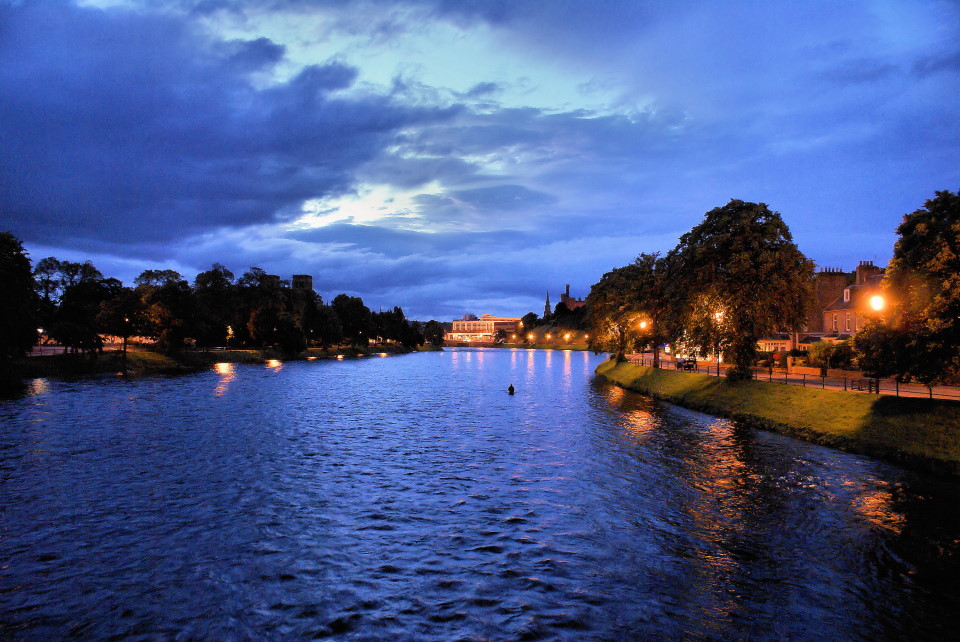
(919, 434)
(147, 362)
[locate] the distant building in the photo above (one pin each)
(470, 329)
(547, 310)
(571, 303)
(302, 282)
(272, 279)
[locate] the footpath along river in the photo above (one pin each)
(410, 497)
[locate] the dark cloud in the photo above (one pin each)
(125, 126)
(948, 62)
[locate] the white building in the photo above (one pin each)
(470, 329)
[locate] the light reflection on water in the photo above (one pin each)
(412, 498)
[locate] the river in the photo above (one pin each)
(410, 498)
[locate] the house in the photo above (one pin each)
(846, 314)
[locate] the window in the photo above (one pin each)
(848, 322)
(835, 324)
(846, 295)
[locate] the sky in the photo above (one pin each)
(464, 156)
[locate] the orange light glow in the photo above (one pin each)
(877, 302)
(223, 368)
(643, 325)
(339, 357)
(227, 372)
(274, 364)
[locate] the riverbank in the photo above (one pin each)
(142, 362)
(577, 347)
(921, 434)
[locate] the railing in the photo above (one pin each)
(849, 383)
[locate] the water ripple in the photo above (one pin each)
(411, 498)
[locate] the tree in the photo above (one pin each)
(261, 313)
(215, 298)
(325, 326)
(121, 315)
(922, 288)
(736, 277)
(168, 307)
(614, 313)
(76, 324)
(433, 332)
(883, 351)
(626, 308)
(18, 299)
(355, 318)
(528, 322)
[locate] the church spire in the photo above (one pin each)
(546, 307)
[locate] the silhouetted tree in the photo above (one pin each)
(167, 308)
(433, 332)
(76, 323)
(18, 300)
(355, 318)
(215, 299)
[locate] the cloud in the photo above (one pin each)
(124, 126)
(465, 153)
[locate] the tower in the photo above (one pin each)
(546, 307)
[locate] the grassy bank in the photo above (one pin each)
(918, 433)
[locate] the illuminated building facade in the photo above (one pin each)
(470, 329)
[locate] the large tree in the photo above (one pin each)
(626, 308)
(736, 277)
(18, 299)
(922, 288)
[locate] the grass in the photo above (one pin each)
(919, 433)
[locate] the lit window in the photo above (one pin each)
(835, 324)
(848, 322)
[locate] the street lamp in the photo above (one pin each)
(877, 302)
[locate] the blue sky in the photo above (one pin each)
(454, 156)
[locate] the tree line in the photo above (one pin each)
(76, 306)
(738, 276)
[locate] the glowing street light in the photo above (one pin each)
(877, 302)
(643, 325)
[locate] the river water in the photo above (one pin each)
(410, 497)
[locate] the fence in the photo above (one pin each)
(780, 375)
